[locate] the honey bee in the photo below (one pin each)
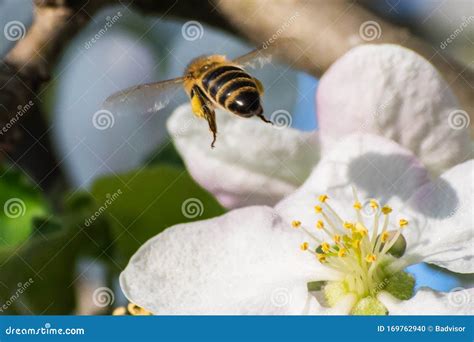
(210, 82)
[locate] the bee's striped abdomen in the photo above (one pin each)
(233, 89)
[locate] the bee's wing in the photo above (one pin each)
(267, 53)
(144, 98)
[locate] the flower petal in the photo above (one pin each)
(377, 167)
(392, 91)
(252, 163)
(244, 262)
(444, 234)
(429, 302)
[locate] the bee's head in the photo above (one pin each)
(200, 65)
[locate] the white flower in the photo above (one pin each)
(383, 89)
(248, 261)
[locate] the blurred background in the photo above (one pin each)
(97, 166)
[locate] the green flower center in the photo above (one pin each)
(364, 260)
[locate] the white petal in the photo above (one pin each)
(441, 229)
(429, 302)
(377, 167)
(244, 262)
(392, 91)
(252, 163)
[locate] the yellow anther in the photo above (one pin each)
(370, 258)
(355, 244)
(296, 224)
(320, 224)
(323, 198)
(342, 252)
(357, 205)
(361, 229)
(325, 247)
(403, 223)
(374, 204)
(386, 210)
(304, 246)
(384, 236)
(318, 209)
(337, 238)
(348, 225)
(321, 257)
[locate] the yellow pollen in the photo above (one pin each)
(348, 225)
(304, 246)
(374, 204)
(325, 247)
(342, 252)
(320, 224)
(361, 229)
(386, 210)
(403, 223)
(357, 205)
(323, 198)
(337, 238)
(384, 237)
(318, 209)
(296, 224)
(321, 257)
(370, 258)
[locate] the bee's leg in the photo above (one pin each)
(196, 105)
(264, 119)
(204, 108)
(211, 120)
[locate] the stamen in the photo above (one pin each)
(296, 224)
(323, 198)
(342, 252)
(349, 248)
(403, 223)
(370, 258)
(321, 257)
(374, 204)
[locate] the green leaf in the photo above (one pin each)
(165, 154)
(21, 203)
(45, 265)
(142, 204)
